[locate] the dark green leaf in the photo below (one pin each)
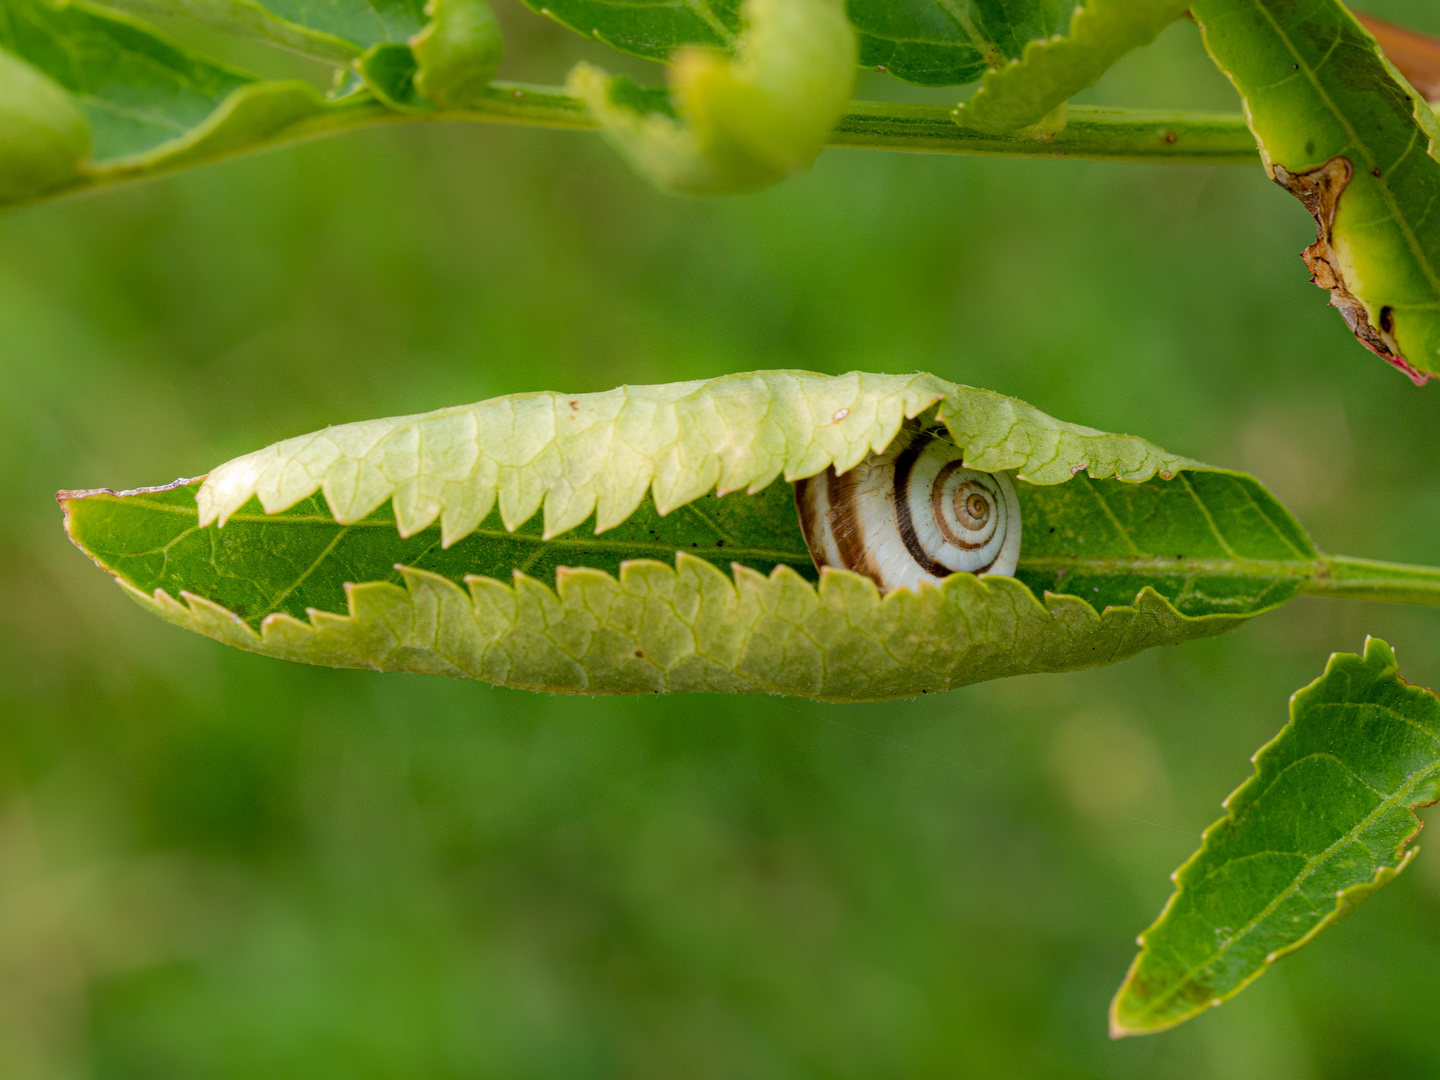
(336, 31)
(929, 42)
(1327, 819)
(1208, 542)
(138, 90)
(301, 558)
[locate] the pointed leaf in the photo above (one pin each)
(410, 544)
(1328, 817)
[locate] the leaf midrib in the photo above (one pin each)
(1166, 565)
(1311, 865)
(584, 543)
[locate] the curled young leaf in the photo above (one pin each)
(1026, 91)
(44, 138)
(621, 585)
(457, 52)
(1342, 130)
(448, 64)
(737, 124)
(1327, 818)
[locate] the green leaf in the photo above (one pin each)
(336, 31)
(147, 100)
(1326, 820)
(410, 544)
(1343, 131)
(412, 54)
(1207, 541)
(738, 124)
(1024, 91)
(300, 558)
(929, 42)
(44, 138)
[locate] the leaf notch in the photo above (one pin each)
(1320, 190)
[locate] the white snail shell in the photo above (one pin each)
(911, 513)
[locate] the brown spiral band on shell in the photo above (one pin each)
(865, 519)
(904, 464)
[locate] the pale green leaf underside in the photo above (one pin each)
(575, 455)
(1327, 818)
(695, 628)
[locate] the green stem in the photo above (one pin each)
(1096, 134)
(1365, 579)
(1093, 133)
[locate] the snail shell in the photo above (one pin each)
(911, 513)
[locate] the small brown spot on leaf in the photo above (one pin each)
(575, 405)
(1170, 136)
(1320, 189)
(639, 654)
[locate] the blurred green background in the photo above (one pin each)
(215, 865)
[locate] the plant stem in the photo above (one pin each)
(1092, 133)
(1365, 579)
(1096, 134)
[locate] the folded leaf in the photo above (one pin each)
(1343, 131)
(1024, 91)
(1328, 817)
(744, 123)
(413, 544)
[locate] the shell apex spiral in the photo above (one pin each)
(911, 513)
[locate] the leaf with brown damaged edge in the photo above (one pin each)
(1344, 132)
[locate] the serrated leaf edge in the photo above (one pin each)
(1346, 900)
(600, 453)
